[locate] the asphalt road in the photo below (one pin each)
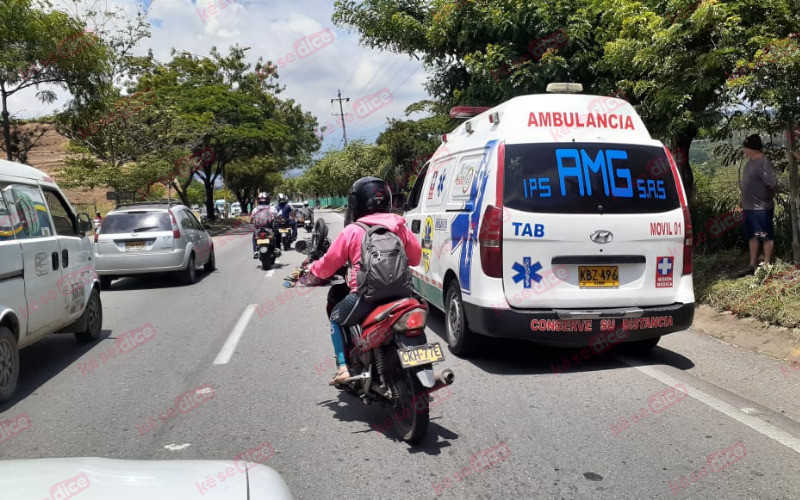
(261, 357)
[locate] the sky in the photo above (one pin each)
(278, 30)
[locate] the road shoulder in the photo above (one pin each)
(757, 336)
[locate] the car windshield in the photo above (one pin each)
(130, 222)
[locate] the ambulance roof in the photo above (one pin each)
(14, 169)
(554, 118)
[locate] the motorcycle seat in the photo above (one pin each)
(395, 307)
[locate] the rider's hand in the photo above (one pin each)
(305, 263)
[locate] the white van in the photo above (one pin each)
(554, 218)
(47, 278)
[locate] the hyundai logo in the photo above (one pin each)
(602, 236)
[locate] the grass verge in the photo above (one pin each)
(772, 294)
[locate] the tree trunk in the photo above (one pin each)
(6, 126)
(680, 145)
(211, 209)
(793, 192)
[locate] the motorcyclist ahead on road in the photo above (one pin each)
(369, 203)
(261, 216)
(285, 210)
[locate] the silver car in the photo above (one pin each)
(151, 237)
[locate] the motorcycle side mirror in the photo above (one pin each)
(301, 246)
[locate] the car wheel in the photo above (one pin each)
(188, 275)
(211, 264)
(460, 339)
(92, 319)
(641, 346)
(9, 364)
(105, 282)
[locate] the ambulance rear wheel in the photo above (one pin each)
(461, 341)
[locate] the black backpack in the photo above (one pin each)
(384, 272)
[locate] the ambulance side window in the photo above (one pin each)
(434, 192)
(413, 197)
(464, 179)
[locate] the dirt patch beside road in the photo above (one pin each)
(751, 334)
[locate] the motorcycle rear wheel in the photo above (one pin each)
(410, 423)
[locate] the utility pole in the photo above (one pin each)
(341, 115)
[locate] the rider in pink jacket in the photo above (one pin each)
(370, 203)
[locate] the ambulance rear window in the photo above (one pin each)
(588, 178)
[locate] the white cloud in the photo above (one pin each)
(273, 30)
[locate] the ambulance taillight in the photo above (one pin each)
(687, 216)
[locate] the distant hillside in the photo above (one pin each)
(48, 155)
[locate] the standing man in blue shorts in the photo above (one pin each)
(759, 185)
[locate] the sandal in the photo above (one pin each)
(340, 376)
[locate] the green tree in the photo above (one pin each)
(39, 47)
(409, 143)
(246, 178)
(671, 58)
(336, 171)
(220, 104)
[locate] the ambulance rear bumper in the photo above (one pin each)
(579, 327)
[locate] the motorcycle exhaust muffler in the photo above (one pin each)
(443, 378)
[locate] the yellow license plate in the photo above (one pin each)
(262, 242)
(422, 355)
(598, 276)
(134, 246)
(283, 231)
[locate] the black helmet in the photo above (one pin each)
(368, 195)
(263, 198)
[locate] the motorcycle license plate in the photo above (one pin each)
(262, 242)
(598, 276)
(283, 231)
(421, 355)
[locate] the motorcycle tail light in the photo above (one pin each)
(412, 320)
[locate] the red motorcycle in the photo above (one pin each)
(388, 354)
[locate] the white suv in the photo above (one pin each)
(557, 219)
(47, 278)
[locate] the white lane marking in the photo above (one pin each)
(754, 423)
(236, 334)
(176, 447)
(270, 273)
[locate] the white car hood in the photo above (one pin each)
(104, 478)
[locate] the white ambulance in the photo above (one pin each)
(554, 218)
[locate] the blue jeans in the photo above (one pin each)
(348, 312)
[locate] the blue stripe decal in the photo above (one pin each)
(462, 223)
